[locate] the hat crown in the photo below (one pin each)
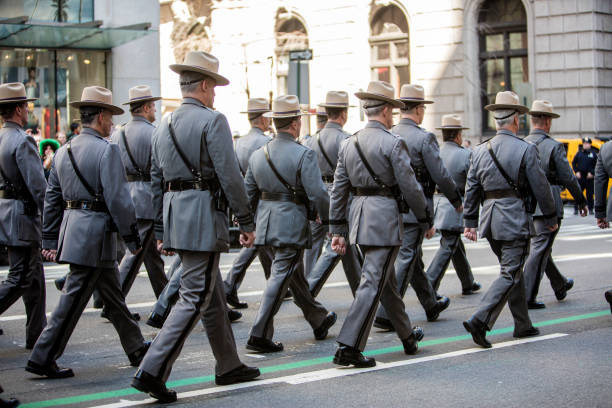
(542, 106)
(381, 88)
(140, 92)
(97, 94)
(258, 105)
(451, 120)
(339, 98)
(203, 60)
(506, 98)
(12, 91)
(321, 111)
(412, 91)
(286, 104)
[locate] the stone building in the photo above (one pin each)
(461, 51)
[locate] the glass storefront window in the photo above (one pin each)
(69, 11)
(495, 42)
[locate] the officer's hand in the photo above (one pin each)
(603, 223)
(471, 234)
(578, 176)
(459, 209)
(247, 239)
(49, 254)
(161, 250)
(584, 211)
(339, 245)
(553, 228)
(589, 175)
(430, 232)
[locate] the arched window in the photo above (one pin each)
(502, 28)
(290, 35)
(390, 46)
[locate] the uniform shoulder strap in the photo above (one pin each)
(78, 173)
(366, 164)
(276, 173)
(500, 168)
(129, 152)
(324, 153)
(180, 152)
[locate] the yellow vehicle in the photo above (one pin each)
(571, 148)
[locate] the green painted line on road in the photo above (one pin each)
(291, 366)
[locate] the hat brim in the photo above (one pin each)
(367, 95)
(115, 110)
(540, 113)
(331, 105)
(282, 116)
(452, 127)
(256, 111)
(413, 100)
(519, 108)
(141, 100)
(5, 101)
(180, 68)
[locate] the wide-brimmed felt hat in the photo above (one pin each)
(543, 108)
(13, 92)
(48, 142)
(336, 99)
(321, 111)
(380, 91)
(285, 106)
(257, 105)
(141, 93)
(507, 100)
(452, 121)
(202, 62)
(413, 93)
(97, 96)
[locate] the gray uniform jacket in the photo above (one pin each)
(282, 223)
(21, 164)
(246, 145)
(505, 218)
(558, 171)
(331, 137)
(87, 237)
(188, 220)
(425, 152)
(138, 133)
(456, 159)
(603, 172)
(374, 220)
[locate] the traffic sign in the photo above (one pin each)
(300, 55)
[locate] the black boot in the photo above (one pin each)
(478, 332)
(146, 383)
(346, 356)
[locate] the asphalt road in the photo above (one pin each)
(569, 365)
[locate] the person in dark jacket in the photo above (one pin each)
(584, 167)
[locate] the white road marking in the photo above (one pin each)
(333, 372)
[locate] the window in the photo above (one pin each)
(290, 35)
(502, 28)
(68, 11)
(390, 47)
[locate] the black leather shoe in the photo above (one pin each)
(434, 312)
(288, 295)
(233, 301)
(146, 383)
(156, 320)
(562, 293)
(9, 403)
(438, 297)
(470, 291)
(104, 315)
(233, 315)
(50, 371)
(237, 375)
(609, 298)
(59, 283)
(411, 344)
(533, 331)
(137, 356)
(320, 332)
(384, 324)
(346, 356)
(478, 332)
(98, 304)
(264, 345)
(534, 304)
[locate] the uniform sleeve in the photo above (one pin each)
(53, 210)
(539, 185)
(221, 151)
(313, 184)
(601, 188)
(117, 196)
(30, 167)
(251, 186)
(339, 195)
(473, 196)
(565, 174)
(437, 171)
(575, 160)
(409, 186)
(157, 188)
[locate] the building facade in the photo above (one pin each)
(462, 51)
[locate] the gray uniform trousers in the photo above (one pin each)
(409, 268)
(328, 261)
(78, 289)
(26, 279)
(287, 271)
(169, 295)
(540, 261)
(130, 264)
(200, 295)
(312, 254)
(508, 287)
(242, 262)
(377, 285)
(451, 249)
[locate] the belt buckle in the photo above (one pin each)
(86, 206)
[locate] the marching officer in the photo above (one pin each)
(554, 163)
(506, 177)
(326, 144)
(374, 164)
(321, 121)
(584, 167)
(603, 172)
(87, 201)
(22, 195)
(429, 171)
(282, 181)
(134, 141)
(192, 153)
(448, 221)
(244, 147)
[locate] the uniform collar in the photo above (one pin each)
(10, 124)
(286, 136)
(375, 124)
(506, 132)
(332, 125)
(538, 132)
(454, 144)
(408, 121)
(192, 101)
(140, 119)
(90, 131)
(257, 130)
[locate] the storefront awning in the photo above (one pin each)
(85, 36)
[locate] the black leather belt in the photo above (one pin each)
(372, 191)
(139, 177)
(97, 206)
(267, 196)
(497, 194)
(182, 185)
(328, 179)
